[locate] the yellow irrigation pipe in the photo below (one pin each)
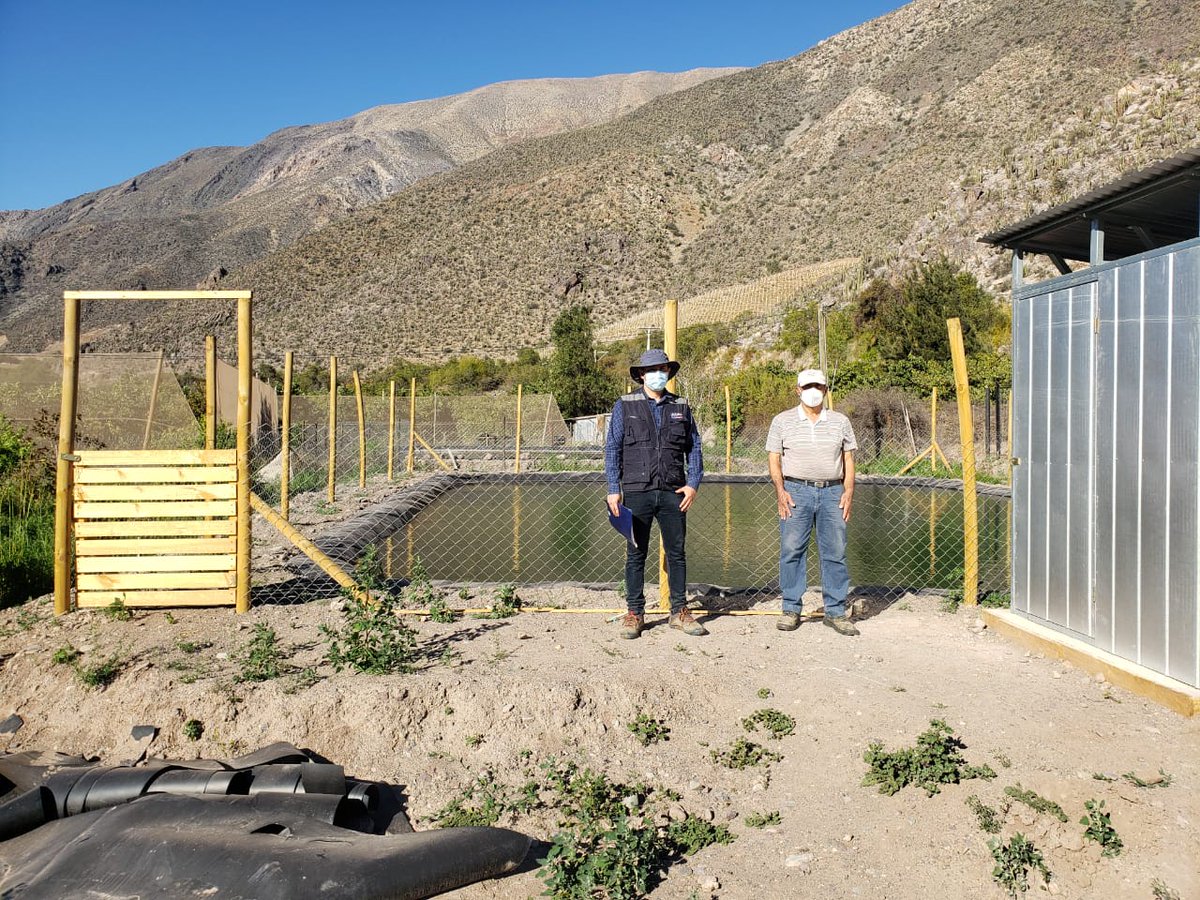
(613, 611)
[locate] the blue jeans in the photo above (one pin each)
(647, 506)
(817, 506)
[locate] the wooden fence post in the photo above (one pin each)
(210, 392)
(517, 454)
(967, 440)
(330, 489)
(285, 443)
(362, 432)
(245, 364)
(66, 450)
(391, 428)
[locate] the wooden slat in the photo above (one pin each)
(213, 562)
(131, 546)
(155, 295)
(156, 528)
(133, 493)
(156, 458)
(150, 510)
(215, 597)
(163, 581)
(155, 474)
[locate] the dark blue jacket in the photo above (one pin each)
(655, 458)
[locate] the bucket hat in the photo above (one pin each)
(652, 359)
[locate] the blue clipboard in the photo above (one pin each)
(623, 523)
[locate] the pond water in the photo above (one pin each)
(537, 532)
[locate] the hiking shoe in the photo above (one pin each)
(632, 624)
(788, 621)
(686, 622)
(841, 624)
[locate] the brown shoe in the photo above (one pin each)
(788, 621)
(686, 622)
(631, 625)
(842, 625)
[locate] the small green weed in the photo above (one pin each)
(117, 611)
(762, 820)
(260, 658)
(778, 723)
(1103, 776)
(302, 680)
(193, 729)
(440, 612)
(1099, 828)
(764, 693)
(694, 834)
(1014, 860)
(481, 803)
(648, 730)
(1163, 780)
(1003, 760)
(743, 754)
(1162, 891)
(372, 639)
(193, 646)
(65, 655)
(102, 674)
(1035, 801)
(507, 603)
(935, 760)
(474, 740)
(989, 821)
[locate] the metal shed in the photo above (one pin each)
(1106, 418)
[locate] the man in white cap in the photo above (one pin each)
(810, 454)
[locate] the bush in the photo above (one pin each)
(26, 516)
(935, 760)
(372, 640)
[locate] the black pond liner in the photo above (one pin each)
(274, 824)
(346, 541)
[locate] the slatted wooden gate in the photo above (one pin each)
(155, 527)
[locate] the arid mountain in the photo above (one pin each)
(222, 207)
(903, 137)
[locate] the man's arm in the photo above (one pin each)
(782, 497)
(695, 470)
(613, 447)
(847, 484)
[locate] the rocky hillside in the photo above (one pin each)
(218, 208)
(905, 136)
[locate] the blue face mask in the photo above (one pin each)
(656, 381)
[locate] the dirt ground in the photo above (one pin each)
(566, 684)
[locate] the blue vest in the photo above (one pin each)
(653, 458)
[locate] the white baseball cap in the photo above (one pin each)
(811, 376)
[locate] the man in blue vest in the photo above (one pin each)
(652, 456)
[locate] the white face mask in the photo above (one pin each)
(812, 397)
(656, 381)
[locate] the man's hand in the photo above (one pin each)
(844, 504)
(689, 494)
(786, 504)
(613, 500)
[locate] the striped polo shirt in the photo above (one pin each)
(811, 450)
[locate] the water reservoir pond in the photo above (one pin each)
(898, 536)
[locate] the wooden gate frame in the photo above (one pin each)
(66, 431)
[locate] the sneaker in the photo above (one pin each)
(842, 625)
(632, 624)
(788, 621)
(686, 622)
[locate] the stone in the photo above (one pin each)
(711, 884)
(12, 724)
(140, 732)
(799, 861)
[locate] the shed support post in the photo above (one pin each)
(1096, 244)
(1018, 268)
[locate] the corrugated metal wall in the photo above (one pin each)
(1106, 368)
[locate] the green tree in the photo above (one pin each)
(911, 320)
(576, 380)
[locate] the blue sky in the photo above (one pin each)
(96, 92)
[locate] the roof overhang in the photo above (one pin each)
(1144, 210)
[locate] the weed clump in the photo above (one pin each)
(743, 753)
(778, 723)
(65, 655)
(372, 639)
(117, 611)
(935, 760)
(193, 729)
(1099, 828)
(260, 659)
(1035, 801)
(989, 820)
(507, 603)
(1014, 861)
(762, 820)
(648, 730)
(101, 674)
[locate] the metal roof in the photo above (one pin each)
(1154, 207)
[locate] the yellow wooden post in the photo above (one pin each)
(391, 429)
(66, 450)
(153, 401)
(517, 454)
(330, 489)
(285, 443)
(245, 363)
(967, 439)
(210, 392)
(309, 549)
(671, 347)
(362, 432)
(728, 432)
(933, 429)
(412, 422)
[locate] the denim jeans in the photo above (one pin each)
(817, 506)
(646, 506)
